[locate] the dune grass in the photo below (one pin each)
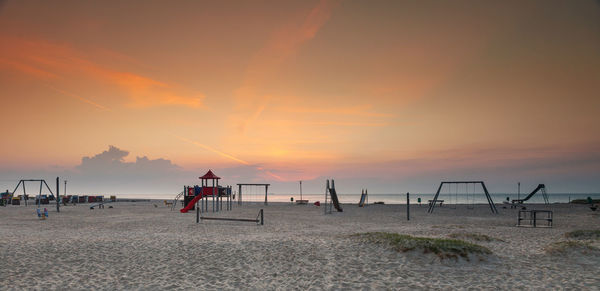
(473, 236)
(563, 247)
(583, 234)
(443, 248)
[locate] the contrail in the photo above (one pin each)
(227, 156)
(80, 98)
(274, 176)
(212, 150)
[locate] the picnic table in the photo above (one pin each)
(439, 201)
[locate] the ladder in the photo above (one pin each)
(545, 195)
(176, 199)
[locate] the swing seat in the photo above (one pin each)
(42, 215)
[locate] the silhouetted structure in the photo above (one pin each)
(487, 194)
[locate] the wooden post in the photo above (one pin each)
(239, 194)
(262, 217)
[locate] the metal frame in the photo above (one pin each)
(260, 218)
(42, 183)
(540, 187)
(252, 184)
(487, 194)
(333, 198)
(532, 217)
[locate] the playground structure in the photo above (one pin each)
(530, 218)
(331, 198)
(241, 185)
(200, 195)
(364, 198)
(301, 200)
(260, 219)
(197, 197)
(487, 194)
(174, 203)
(100, 204)
(5, 198)
(39, 198)
(540, 187)
(42, 215)
(11, 198)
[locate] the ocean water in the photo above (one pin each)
(448, 199)
(398, 198)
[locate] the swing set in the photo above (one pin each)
(470, 195)
(453, 196)
(40, 199)
(255, 187)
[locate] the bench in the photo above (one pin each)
(439, 201)
(301, 201)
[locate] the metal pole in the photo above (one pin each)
(213, 194)
(239, 194)
(57, 196)
(40, 195)
(407, 206)
(326, 190)
(301, 190)
(24, 193)
(266, 191)
(519, 191)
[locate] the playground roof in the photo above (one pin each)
(210, 175)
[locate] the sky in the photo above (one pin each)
(394, 96)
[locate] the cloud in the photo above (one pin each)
(112, 161)
(108, 172)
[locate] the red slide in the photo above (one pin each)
(190, 204)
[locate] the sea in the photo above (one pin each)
(478, 198)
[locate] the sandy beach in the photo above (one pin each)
(136, 245)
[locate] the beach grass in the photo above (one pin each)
(473, 236)
(443, 248)
(583, 234)
(563, 247)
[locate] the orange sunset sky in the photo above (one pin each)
(394, 96)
